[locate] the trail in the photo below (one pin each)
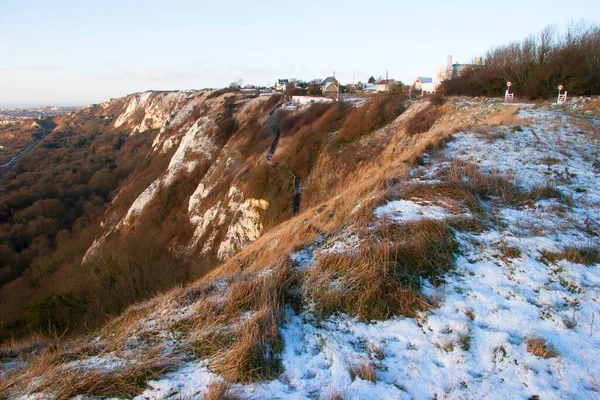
(297, 195)
(274, 124)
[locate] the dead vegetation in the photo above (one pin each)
(384, 277)
(423, 120)
(364, 371)
(234, 314)
(580, 255)
(539, 347)
(221, 390)
(125, 377)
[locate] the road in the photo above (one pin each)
(8, 166)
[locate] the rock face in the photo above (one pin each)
(197, 131)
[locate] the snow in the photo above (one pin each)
(408, 210)
(473, 344)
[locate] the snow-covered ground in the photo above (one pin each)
(473, 344)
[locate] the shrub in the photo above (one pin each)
(54, 314)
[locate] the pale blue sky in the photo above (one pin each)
(79, 52)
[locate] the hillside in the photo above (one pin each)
(449, 250)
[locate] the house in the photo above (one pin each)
(424, 85)
(281, 84)
(369, 88)
(383, 85)
(330, 87)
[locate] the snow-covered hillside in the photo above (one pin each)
(506, 294)
(513, 193)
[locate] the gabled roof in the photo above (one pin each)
(384, 82)
(425, 79)
(327, 80)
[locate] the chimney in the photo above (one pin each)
(449, 61)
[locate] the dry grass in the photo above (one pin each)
(383, 277)
(364, 371)
(539, 347)
(510, 251)
(49, 374)
(506, 117)
(221, 390)
(580, 255)
(236, 328)
(239, 335)
(423, 120)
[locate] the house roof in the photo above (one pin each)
(281, 81)
(369, 86)
(384, 82)
(327, 80)
(425, 79)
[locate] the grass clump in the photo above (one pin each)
(383, 278)
(364, 371)
(239, 334)
(221, 390)
(580, 255)
(539, 347)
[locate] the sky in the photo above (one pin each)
(66, 52)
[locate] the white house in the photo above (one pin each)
(383, 85)
(281, 84)
(424, 84)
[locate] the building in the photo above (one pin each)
(330, 87)
(383, 85)
(450, 70)
(281, 85)
(424, 85)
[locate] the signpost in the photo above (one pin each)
(508, 96)
(562, 98)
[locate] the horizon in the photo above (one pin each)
(91, 54)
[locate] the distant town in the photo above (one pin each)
(14, 114)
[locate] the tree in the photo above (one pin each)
(372, 79)
(397, 89)
(237, 85)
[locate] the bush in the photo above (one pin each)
(54, 314)
(537, 65)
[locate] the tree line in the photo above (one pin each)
(537, 65)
